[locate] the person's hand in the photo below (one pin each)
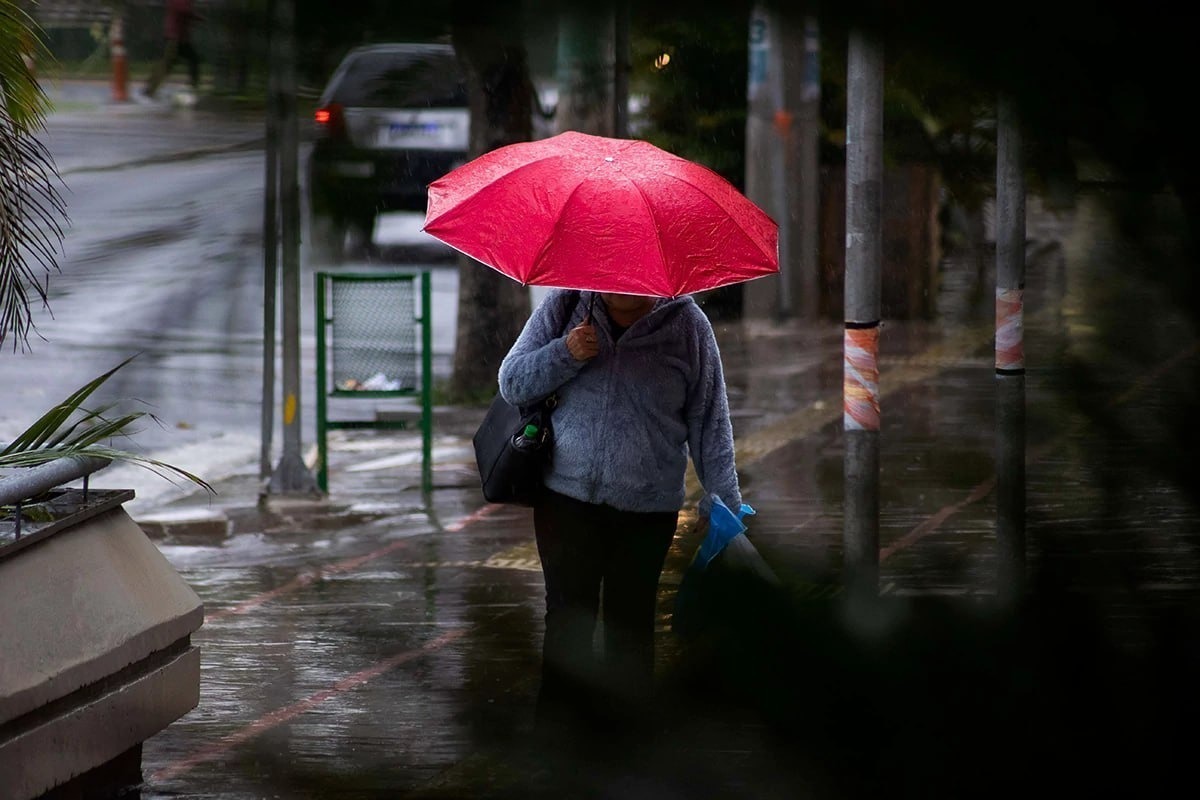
(581, 341)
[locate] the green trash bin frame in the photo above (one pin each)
(326, 330)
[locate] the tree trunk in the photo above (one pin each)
(586, 68)
(782, 165)
(492, 308)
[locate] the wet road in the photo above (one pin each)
(386, 648)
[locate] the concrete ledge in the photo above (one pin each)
(82, 605)
(86, 736)
(201, 525)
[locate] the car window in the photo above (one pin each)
(401, 80)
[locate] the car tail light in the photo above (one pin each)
(331, 122)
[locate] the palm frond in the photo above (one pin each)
(53, 420)
(32, 210)
(20, 38)
(70, 429)
(68, 434)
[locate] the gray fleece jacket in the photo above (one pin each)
(627, 419)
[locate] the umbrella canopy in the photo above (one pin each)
(577, 211)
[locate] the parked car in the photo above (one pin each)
(392, 119)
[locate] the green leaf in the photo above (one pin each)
(53, 420)
(69, 429)
(32, 210)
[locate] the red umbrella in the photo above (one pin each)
(610, 215)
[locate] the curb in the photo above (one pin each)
(192, 525)
(167, 158)
(199, 519)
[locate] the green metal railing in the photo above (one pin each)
(373, 341)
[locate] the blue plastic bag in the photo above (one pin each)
(723, 525)
(706, 577)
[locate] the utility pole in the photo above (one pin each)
(1010, 353)
(782, 166)
(291, 474)
(270, 250)
(806, 236)
(864, 198)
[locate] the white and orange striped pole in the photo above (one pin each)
(860, 383)
(120, 64)
(1010, 353)
(860, 377)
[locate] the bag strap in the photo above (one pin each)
(571, 311)
(551, 400)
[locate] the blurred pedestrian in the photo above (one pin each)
(177, 33)
(640, 388)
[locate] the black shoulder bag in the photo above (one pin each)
(512, 448)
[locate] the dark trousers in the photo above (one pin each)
(598, 560)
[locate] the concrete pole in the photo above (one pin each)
(864, 197)
(761, 298)
(1010, 354)
(291, 475)
(806, 182)
(782, 170)
(270, 250)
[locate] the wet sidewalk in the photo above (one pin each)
(87, 130)
(382, 644)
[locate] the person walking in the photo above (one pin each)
(177, 32)
(640, 388)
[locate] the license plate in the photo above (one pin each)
(417, 135)
(435, 130)
(415, 130)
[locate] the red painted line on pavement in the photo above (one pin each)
(1156, 373)
(474, 517)
(282, 715)
(982, 490)
(300, 581)
(931, 524)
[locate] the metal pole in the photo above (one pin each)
(270, 251)
(864, 195)
(1010, 353)
(291, 474)
(781, 147)
(31, 482)
(808, 178)
(426, 384)
(322, 326)
(782, 166)
(761, 298)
